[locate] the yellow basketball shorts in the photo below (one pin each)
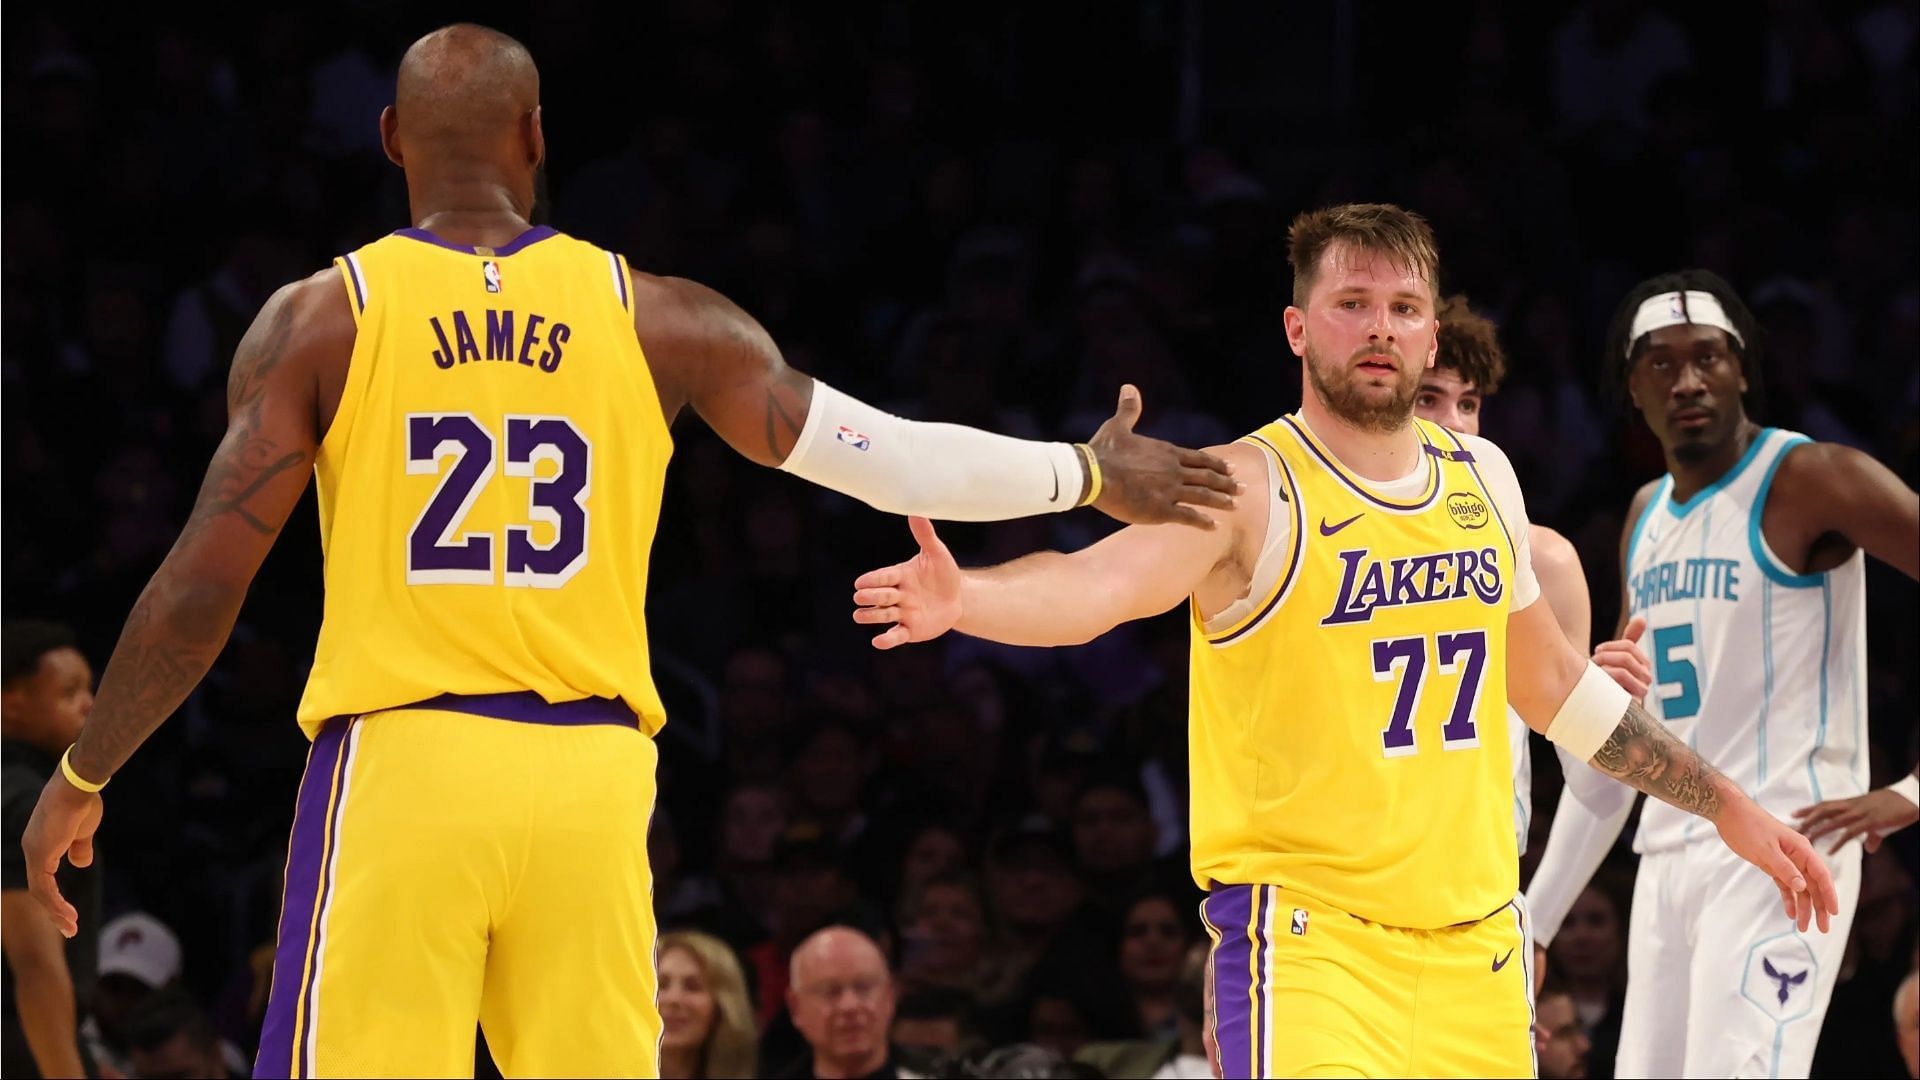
(1303, 989)
(470, 860)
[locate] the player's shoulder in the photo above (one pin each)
(672, 295)
(1811, 476)
(1244, 455)
(1807, 460)
(1641, 497)
(1551, 550)
(1484, 450)
(311, 315)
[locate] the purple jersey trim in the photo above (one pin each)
(525, 239)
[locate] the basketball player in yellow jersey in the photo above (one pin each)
(486, 408)
(1360, 622)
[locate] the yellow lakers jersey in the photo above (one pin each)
(490, 486)
(1348, 734)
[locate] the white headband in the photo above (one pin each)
(1674, 309)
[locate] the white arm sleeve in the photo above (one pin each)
(942, 471)
(1504, 488)
(1576, 846)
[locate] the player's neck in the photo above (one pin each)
(472, 210)
(1373, 455)
(1692, 474)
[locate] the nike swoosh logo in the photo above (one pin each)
(1329, 530)
(1056, 484)
(1502, 962)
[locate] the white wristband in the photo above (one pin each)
(942, 471)
(1907, 787)
(1590, 715)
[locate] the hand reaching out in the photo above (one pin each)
(919, 597)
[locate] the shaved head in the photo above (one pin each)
(835, 948)
(465, 125)
(464, 87)
(840, 995)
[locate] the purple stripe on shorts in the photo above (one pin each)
(306, 864)
(1260, 987)
(528, 707)
(525, 239)
(620, 278)
(1229, 908)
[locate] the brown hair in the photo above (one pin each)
(1470, 345)
(733, 1043)
(1401, 235)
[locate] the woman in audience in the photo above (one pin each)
(703, 1003)
(1590, 956)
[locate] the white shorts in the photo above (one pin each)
(1719, 981)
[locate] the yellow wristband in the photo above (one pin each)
(66, 770)
(1093, 472)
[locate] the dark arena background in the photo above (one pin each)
(991, 213)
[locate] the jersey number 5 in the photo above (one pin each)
(1465, 653)
(440, 553)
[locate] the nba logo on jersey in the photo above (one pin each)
(490, 272)
(852, 438)
(1299, 922)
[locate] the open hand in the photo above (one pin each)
(62, 826)
(920, 597)
(1870, 817)
(1806, 887)
(1147, 482)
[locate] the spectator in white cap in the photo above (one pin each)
(139, 955)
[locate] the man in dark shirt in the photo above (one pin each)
(46, 690)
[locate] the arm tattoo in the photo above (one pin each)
(247, 460)
(166, 648)
(781, 436)
(179, 625)
(1641, 754)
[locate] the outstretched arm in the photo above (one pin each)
(705, 352)
(1050, 598)
(181, 620)
(1047, 598)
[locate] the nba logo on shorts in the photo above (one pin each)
(1300, 922)
(490, 272)
(852, 438)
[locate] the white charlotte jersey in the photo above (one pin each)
(1522, 777)
(1761, 670)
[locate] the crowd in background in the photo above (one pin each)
(994, 214)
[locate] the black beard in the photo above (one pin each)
(1344, 401)
(1692, 453)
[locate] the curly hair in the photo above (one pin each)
(1470, 345)
(1621, 354)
